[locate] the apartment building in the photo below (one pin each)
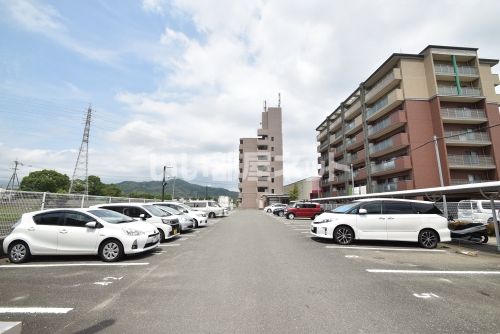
(308, 188)
(381, 137)
(261, 161)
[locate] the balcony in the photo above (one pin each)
(468, 161)
(322, 135)
(451, 93)
(393, 186)
(360, 174)
(355, 142)
(447, 72)
(323, 147)
(388, 124)
(461, 138)
(396, 165)
(389, 145)
(353, 110)
(336, 124)
(459, 182)
(359, 157)
(336, 137)
(463, 115)
(324, 183)
(338, 179)
(384, 85)
(339, 151)
(353, 126)
(384, 105)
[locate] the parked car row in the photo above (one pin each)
(108, 230)
(294, 210)
(377, 219)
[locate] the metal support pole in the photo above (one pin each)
(83, 200)
(352, 179)
(495, 222)
(163, 184)
(44, 196)
(440, 172)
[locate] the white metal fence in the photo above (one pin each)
(14, 203)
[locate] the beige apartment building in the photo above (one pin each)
(261, 161)
(384, 130)
(308, 188)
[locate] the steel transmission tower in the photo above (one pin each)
(81, 170)
(14, 179)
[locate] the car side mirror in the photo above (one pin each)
(362, 212)
(186, 211)
(142, 216)
(91, 225)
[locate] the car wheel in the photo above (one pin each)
(211, 215)
(343, 235)
(195, 223)
(484, 239)
(269, 211)
(428, 239)
(19, 252)
(162, 235)
(111, 250)
(290, 216)
(281, 213)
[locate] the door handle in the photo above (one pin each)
(390, 218)
(381, 218)
(63, 231)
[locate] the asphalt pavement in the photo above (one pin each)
(255, 273)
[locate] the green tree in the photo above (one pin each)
(111, 190)
(96, 187)
(45, 180)
(293, 194)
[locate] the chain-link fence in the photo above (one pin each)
(13, 204)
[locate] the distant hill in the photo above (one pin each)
(182, 189)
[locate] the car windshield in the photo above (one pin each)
(111, 217)
(155, 211)
(345, 208)
(168, 209)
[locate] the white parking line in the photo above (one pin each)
(389, 249)
(14, 266)
(170, 245)
(305, 232)
(433, 272)
(53, 310)
(301, 229)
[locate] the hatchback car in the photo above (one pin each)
(270, 208)
(199, 217)
(166, 223)
(384, 219)
(79, 232)
(303, 210)
(211, 208)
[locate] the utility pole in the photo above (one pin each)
(440, 172)
(14, 179)
(352, 179)
(82, 162)
(173, 189)
(206, 192)
(164, 183)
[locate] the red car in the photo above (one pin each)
(303, 210)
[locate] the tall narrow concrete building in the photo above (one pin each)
(261, 161)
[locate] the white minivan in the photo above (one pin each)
(384, 219)
(211, 208)
(477, 211)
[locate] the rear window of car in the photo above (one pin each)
(426, 208)
(49, 218)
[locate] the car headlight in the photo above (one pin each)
(326, 220)
(166, 221)
(132, 231)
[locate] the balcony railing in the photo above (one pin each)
(377, 106)
(471, 160)
(386, 165)
(384, 144)
(460, 136)
(449, 70)
(379, 126)
(458, 182)
(381, 83)
(323, 146)
(350, 141)
(392, 186)
(452, 90)
(463, 113)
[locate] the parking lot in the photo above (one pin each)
(253, 272)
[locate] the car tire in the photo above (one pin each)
(343, 235)
(195, 223)
(428, 239)
(269, 211)
(19, 252)
(211, 215)
(290, 216)
(281, 213)
(484, 239)
(111, 250)
(162, 235)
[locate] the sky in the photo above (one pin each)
(178, 82)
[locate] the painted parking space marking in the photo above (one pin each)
(46, 310)
(305, 232)
(427, 295)
(170, 245)
(433, 272)
(352, 256)
(389, 249)
(301, 229)
(51, 265)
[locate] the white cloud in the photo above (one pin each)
(154, 6)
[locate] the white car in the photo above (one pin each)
(186, 223)
(270, 208)
(211, 208)
(384, 219)
(167, 224)
(477, 211)
(199, 217)
(79, 231)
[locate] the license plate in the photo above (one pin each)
(175, 231)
